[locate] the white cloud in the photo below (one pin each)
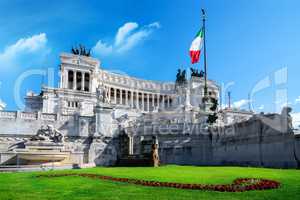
(2, 105)
(124, 31)
(154, 25)
(23, 46)
(30, 44)
(102, 47)
(296, 119)
(134, 39)
(240, 103)
(261, 107)
(128, 36)
(297, 100)
(237, 104)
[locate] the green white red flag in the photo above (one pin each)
(195, 49)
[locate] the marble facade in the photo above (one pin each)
(92, 107)
(80, 77)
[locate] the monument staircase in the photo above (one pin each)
(135, 161)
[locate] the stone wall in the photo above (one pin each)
(297, 148)
(185, 150)
(27, 124)
(263, 141)
(179, 143)
(15, 127)
(256, 143)
(260, 141)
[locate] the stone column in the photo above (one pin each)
(87, 84)
(143, 102)
(168, 101)
(153, 101)
(82, 81)
(158, 97)
(115, 95)
(90, 82)
(131, 99)
(65, 79)
(126, 97)
(121, 96)
(109, 94)
(163, 101)
(130, 145)
(137, 100)
(148, 102)
(62, 78)
(74, 80)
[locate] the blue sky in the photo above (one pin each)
(247, 41)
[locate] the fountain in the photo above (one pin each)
(44, 148)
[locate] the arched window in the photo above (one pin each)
(70, 79)
(78, 80)
(87, 82)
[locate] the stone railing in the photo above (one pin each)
(8, 114)
(18, 115)
(14, 115)
(48, 117)
(27, 115)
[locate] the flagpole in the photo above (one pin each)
(204, 46)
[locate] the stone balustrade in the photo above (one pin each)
(28, 115)
(49, 117)
(8, 114)
(13, 115)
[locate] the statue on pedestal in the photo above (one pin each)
(287, 118)
(188, 106)
(154, 152)
(154, 155)
(102, 94)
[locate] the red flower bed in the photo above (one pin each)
(238, 185)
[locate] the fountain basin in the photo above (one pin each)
(43, 156)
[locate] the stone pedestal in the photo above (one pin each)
(104, 120)
(103, 152)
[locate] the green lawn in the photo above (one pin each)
(25, 186)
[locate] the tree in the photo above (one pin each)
(215, 104)
(212, 118)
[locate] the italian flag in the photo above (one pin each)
(196, 46)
